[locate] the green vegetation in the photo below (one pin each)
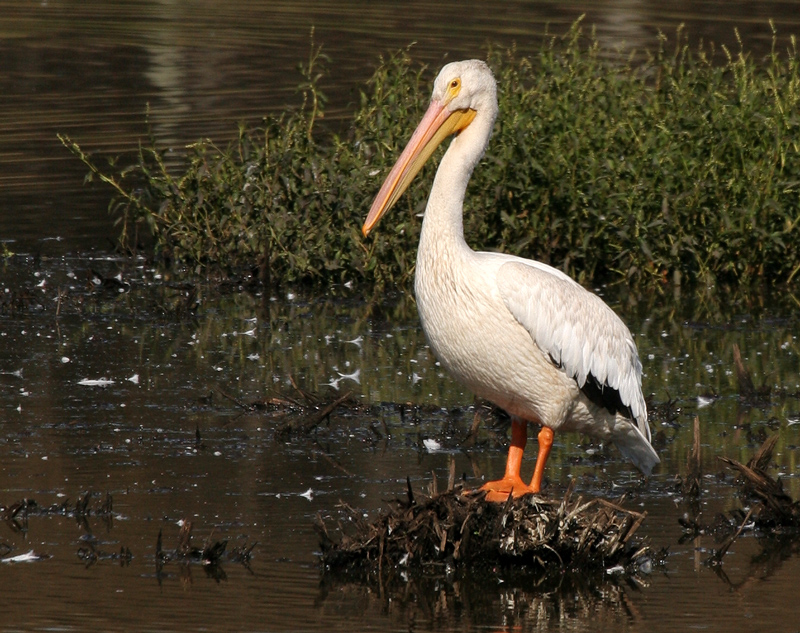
(664, 166)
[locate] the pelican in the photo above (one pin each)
(516, 332)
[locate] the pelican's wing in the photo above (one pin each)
(579, 332)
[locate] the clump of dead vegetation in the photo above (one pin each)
(17, 514)
(768, 511)
(774, 510)
(452, 530)
(210, 555)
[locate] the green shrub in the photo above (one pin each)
(652, 168)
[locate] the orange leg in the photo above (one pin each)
(545, 444)
(512, 483)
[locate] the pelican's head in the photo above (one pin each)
(461, 90)
(465, 85)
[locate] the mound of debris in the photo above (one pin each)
(452, 530)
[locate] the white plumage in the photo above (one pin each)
(516, 332)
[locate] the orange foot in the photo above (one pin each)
(499, 490)
(511, 483)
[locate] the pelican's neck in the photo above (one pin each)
(443, 224)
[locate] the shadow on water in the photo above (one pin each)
(248, 414)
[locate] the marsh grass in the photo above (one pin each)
(663, 166)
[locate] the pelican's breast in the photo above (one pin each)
(477, 339)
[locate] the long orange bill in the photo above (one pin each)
(437, 124)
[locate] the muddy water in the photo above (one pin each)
(144, 394)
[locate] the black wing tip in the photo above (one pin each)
(601, 394)
(605, 397)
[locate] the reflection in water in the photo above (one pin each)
(488, 603)
(178, 336)
(494, 604)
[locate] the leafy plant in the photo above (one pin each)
(659, 166)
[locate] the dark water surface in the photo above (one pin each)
(173, 367)
(167, 361)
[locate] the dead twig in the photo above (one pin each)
(747, 389)
(691, 484)
(308, 397)
(305, 426)
(716, 557)
(472, 436)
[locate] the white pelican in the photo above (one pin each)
(514, 331)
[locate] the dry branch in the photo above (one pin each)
(777, 510)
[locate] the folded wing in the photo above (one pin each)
(581, 334)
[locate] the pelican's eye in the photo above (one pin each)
(454, 88)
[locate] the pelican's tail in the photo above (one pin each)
(635, 448)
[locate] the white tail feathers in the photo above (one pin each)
(634, 447)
